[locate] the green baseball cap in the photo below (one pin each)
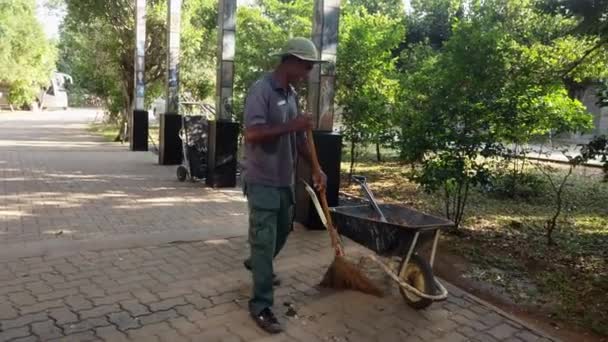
(301, 48)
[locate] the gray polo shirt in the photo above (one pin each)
(272, 163)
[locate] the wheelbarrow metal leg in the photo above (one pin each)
(435, 241)
(410, 251)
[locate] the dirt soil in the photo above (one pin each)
(451, 267)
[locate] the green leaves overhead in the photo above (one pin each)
(27, 58)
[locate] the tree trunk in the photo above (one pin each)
(378, 154)
(352, 159)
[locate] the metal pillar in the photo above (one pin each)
(173, 40)
(322, 78)
(225, 58)
(223, 133)
(321, 93)
(170, 152)
(138, 137)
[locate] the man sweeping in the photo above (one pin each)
(275, 135)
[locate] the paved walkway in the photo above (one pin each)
(101, 244)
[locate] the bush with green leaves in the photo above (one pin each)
(495, 82)
(27, 57)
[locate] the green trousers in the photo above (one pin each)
(270, 221)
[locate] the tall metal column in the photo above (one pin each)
(322, 78)
(138, 136)
(321, 93)
(173, 45)
(225, 58)
(170, 152)
(223, 132)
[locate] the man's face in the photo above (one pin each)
(300, 69)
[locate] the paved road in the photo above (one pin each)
(62, 188)
(101, 244)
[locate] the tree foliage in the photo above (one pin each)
(367, 82)
(97, 48)
(497, 80)
(27, 58)
(262, 30)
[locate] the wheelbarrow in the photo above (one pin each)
(394, 231)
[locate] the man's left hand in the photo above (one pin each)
(320, 180)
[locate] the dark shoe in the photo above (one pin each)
(267, 321)
(275, 280)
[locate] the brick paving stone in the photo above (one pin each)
(57, 294)
(453, 337)
(150, 330)
(84, 325)
(216, 334)
(198, 301)
(184, 327)
(124, 321)
(7, 335)
(134, 307)
(94, 291)
(513, 339)
(229, 297)
(99, 311)
(166, 304)
(527, 336)
(63, 316)
(10, 289)
(85, 336)
(145, 296)
(221, 309)
(7, 311)
(38, 288)
(46, 330)
(112, 299)
(491, 319)
(78, 303)
(22, 298)
(41, 306)
(191, 313)
(26, 339)
(475, 324)
(247, 331)
(392, 335)
(111, 334)
(23, 320)
(158, 316)
(503, 331)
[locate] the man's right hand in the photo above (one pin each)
(300, 123)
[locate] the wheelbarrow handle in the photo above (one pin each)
(370, 196)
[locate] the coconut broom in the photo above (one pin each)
(341, 274)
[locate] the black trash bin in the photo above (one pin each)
(222, 157)
(170, 145)
(329, 152)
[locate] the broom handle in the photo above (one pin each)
(316, 168)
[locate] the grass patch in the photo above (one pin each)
(504, 240)
(109, 131)
(106, 130)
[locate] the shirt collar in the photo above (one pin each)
(277, 86)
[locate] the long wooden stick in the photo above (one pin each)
(316, 168)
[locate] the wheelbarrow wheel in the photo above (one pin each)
(419, 274)
(182, 173)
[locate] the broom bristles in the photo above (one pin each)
(343, 275)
